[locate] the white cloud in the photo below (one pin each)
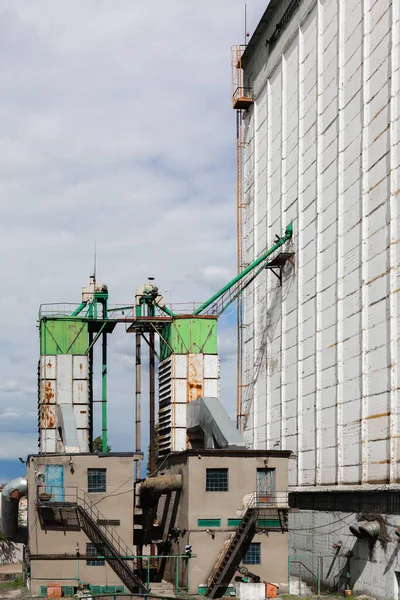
(115, 126)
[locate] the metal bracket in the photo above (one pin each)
(277, 264)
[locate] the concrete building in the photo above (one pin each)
(218, 488)
(76, 504)
(322, 146)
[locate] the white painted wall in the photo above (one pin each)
(322, 150)
(372, 568)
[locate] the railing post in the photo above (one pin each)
(177, 575)
(148, 572)
(319, 576)
(288, 570)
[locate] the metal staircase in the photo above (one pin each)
(82, 514)
(232, 553)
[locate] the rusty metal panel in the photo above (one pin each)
(180, 415)
(195, 376)
(211, 388)
(64, 379)
(48, 392)
(179, 391)
(179, 365)
(48, 367)
(48, 416)
(211, 366)
(83, 439)
(80, 391)
(48, 440)
(179, 439)
(80, 367)
(81, 413)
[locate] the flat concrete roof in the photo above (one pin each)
(231, 453)
(259, 31)
(137, 455)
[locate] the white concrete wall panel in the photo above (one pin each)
(320, 530)
(322, 150)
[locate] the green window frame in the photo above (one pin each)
(97, 481)
(217, 480)
(253, 554)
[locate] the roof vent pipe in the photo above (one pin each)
(10, 497)
(355, 528)
(370, 529)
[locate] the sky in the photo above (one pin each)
(116, 128)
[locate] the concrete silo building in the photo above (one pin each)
(321, 139)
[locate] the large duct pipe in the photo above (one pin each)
(152, 488)
(10, 497)
(150, 491)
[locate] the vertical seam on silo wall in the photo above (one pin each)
(301, 267)
(394, 239)
(283, 223)
(364, 251)
(268, 215)
(340, 260)
(319, 325)
(256, 324)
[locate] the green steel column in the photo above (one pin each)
(288, 570)
(79, 309)
(91, 392)
(104, 393)
(177, 576)
(138, 420)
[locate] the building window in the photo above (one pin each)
(96, 480)
(94, 556)
(253, 554)
(216, 480)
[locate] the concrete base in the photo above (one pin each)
(250, 591)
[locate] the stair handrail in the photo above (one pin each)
(112, 536)
(252, 513)
(266, 499)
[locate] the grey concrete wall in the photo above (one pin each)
(322, 143)
(119, 479)
(373, 569)
(196, 504)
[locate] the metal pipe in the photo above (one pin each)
(104, 392)
(152, 449)
(138, 401)
(278, 244)
(10, 497)
(91, 391)
(79, 309)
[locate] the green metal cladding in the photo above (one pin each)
(63, 336)
(189, 336)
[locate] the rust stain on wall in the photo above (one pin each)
(47, 417)
(47, 392)
(378, 416)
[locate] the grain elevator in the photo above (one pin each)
(318, 120)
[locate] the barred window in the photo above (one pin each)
(216, 480)
(253, 554)
(96, 556)
(96, 480)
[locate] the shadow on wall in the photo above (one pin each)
(364, 548)
(272, 319)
